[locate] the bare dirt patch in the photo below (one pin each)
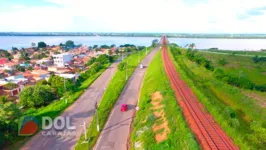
(261, 99)
(263, 73)
(161, 130)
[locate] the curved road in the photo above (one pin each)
(115, 134)
(81, 111)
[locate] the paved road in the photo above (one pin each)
(117, 129)
(79, 112)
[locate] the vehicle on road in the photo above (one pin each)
(123, 108)
(141, 66)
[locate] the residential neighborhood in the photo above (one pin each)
(28, 66)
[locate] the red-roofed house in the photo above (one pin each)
(5, 64)
(3, 61)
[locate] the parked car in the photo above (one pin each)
(123, 108)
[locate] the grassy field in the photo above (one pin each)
(178, 135)
(256, 72)
(239, 115)
(111, 94)
(244, 53)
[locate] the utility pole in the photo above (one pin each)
(109, 64)
(85, 134)
(146, 51)
(138, 53)
(126, 66)
(97, 119)
(65, 90)
(126, 70)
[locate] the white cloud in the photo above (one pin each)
(137, 16)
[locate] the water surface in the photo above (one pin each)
(7, 42)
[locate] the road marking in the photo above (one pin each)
(45, 142)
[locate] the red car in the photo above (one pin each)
(123, 107)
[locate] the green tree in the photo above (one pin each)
(30, 68)
(9, 112)
(42, 82)
(95, 46)
(256, 59)
(259, 134)
(104, 46)
(155, 42)
(14, 49)
(9, 115)
(3, 99)
(103, 59)
(20, 68)
(192, 45)
(24, 55)
(60, 85)
(70, 44)
(42, 45)
(36, 96)
(122, 66)
(91, 61)
(6, 54)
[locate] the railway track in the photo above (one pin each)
(207, 132)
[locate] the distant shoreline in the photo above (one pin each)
(155, 35)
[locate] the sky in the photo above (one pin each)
(164, 16)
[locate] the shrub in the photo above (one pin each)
(3, 99)
(234, 123)
(9, 115)
(219, 73)
(60, 85)
(194, 56)
(42, 82)
(102, 59)
(36, 96)
(91, 61)
(259, 134)
(10, 86)
(258, 59)
(41, 45)
(122, 66)
(223, 62)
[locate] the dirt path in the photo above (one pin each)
(160, 129)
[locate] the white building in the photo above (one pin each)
(44, 62)
(60, 60)
(69, 76)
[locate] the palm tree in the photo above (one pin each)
(192, 45)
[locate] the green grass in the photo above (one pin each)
(55, 108)
(256, 72)
(245, 53)
(220, 98)
(180, 136)
(111, 94)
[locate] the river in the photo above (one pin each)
(7, 42)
